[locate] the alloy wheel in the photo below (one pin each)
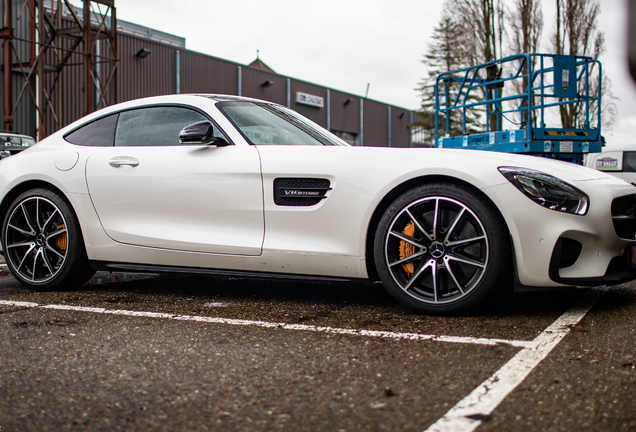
(36, 239)
(436, 250)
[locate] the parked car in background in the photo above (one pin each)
(619, 161)
(12, 143)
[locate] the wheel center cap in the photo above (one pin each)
(437, 250)
(40, 240)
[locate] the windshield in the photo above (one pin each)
(265, 124)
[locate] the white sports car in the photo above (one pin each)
(229, 185)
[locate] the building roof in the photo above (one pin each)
(258, 63)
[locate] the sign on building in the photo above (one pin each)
(311, 100)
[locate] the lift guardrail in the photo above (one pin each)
(546, 81)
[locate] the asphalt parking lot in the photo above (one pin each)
(148, 352)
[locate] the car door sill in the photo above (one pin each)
(150, 268)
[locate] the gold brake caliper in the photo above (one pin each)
(61, 240)
(407, 249)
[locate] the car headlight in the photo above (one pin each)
(548, 191)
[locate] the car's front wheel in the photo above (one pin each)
(43, 244)
(442, 248)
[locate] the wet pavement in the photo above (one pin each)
(150, 352)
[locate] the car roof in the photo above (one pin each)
(619, 147)
(156, 100)
(232, 98)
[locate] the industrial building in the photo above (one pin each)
(78, 69)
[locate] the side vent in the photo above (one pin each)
(299, 192)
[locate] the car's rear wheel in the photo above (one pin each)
(43, 244)
(442, 248)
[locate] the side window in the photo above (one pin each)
(265, 124)
(155, 126)
(629, 161)
(100, 133)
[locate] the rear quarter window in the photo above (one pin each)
(99, 133)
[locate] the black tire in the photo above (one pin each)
(43, 244)
(441, 248)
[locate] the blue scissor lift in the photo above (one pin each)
(552, 81)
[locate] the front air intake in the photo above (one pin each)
(565, 254)
(299, 192)
(624, 218)
(570, 252)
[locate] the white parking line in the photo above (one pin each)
(284, 326)
(468, 414)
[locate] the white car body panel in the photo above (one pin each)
(202, 199)
(213, 207)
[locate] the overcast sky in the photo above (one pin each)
(345, 44)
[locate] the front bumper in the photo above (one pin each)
(621, 268)
(553, 249)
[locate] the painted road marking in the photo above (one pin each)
(284, 326)
(468, 414)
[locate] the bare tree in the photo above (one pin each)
(577, 34)
(483, 24)
(449, 51)
(526, 24)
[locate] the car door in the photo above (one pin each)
(148, 190)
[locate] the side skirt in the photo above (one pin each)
(150, 268)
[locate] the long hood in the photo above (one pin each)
(563, 170)
(483, 163)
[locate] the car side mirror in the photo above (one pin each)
(200, 133)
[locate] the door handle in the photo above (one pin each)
(118, 161)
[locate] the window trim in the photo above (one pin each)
(161, 105)
(221, 104)
(90, 123)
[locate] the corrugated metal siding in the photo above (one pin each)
(24, 117)
(375, 124)
(204, 74)
(252, 85)
(2, 98)
(71, 82)
(154, 75)
(21, 30)
(400, 130)
(316, 114)
(345, 118)
(73, 99)
(2, 69)
(199, 73)
(105, 70)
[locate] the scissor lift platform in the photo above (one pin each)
(551, 81)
